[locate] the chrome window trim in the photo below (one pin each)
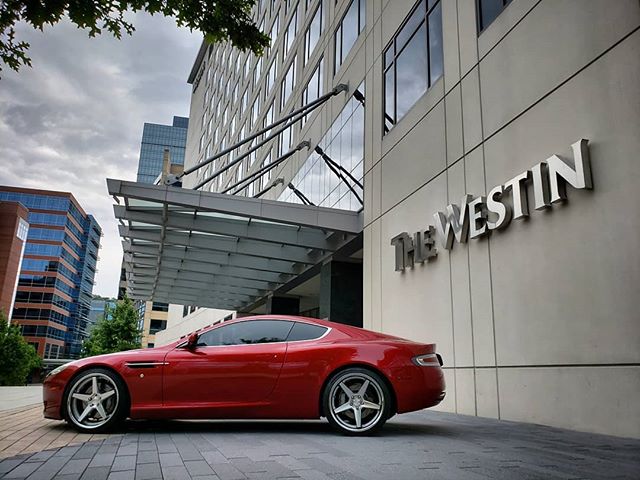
(328, 329)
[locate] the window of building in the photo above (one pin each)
(288, 83)
(156, 326)
(290, 34)
(305, 331)
(250, 332)
(314, 88)
(284, 141)
(412, 61)
(271, 77)
(312, 35)
(275, 29)
(150, 345)
(348, 31)
(488, 10)
(160, 307)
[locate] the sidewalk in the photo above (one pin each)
(16, 397)
(420, 445)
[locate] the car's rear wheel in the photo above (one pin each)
(95, 401)
(357, 401)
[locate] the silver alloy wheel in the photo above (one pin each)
(356, 402)
(92, 401)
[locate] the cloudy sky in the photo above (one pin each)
(76, 117)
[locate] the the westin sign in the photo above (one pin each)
(476, 217)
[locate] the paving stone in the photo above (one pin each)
(171, 460)
(227, 471)
(23, 470)
(198, 467)
(147, 457)
(95, 473)
(49, 469)
(148, 471)
(122, 475)
(102, 460)
(127, 462)
(175, 473)
(9, 464)
(75, 466)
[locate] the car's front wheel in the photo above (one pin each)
(357, 401)
(95, 401)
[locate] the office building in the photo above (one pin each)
(53, 297)
(101, 307)
(496, 143)
(14, 227)
(161, 154)
(155, 139)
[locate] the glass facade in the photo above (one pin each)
(53, 299)
(412, 61)
(344, 144)
(155, 138)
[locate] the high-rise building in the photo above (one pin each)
(54, 293)
(470, 179)
(14, 227)
(100, 306)
(161, 153)
(155, 139)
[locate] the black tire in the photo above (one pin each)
(341, 408)
(80, 402)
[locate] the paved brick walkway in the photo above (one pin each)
(421, 445)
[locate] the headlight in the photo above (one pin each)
(57, 370)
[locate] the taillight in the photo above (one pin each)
(428, 360)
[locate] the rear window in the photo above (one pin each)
(305, 331)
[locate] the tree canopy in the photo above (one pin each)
(17, 357)
(218, 20)
(116, 331)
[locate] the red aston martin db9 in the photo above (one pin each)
(266, 367)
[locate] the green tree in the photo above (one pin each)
(116, 331)
(17, 357)
(218, 20)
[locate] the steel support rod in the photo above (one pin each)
(300, 195)
(305, 109)
(248, 179)
(336, 168)
(277, 181)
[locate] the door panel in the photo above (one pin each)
(209, 376)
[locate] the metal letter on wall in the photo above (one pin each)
(404, 248)
(424, 245)
(456, 222)
(478, 216)
(519, 194)
(578, 178)
(499, 208)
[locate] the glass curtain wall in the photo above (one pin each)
(344, 144)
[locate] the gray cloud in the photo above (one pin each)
(76, 117)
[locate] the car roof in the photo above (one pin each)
(293, 318)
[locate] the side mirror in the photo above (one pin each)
(192, 341)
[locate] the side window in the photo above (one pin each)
(305, 331)
(243, 333)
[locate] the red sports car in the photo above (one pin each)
(262, 367)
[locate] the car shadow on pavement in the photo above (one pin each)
(307, 427)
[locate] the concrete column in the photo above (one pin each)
(341, 292)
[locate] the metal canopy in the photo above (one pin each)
(220, 251)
